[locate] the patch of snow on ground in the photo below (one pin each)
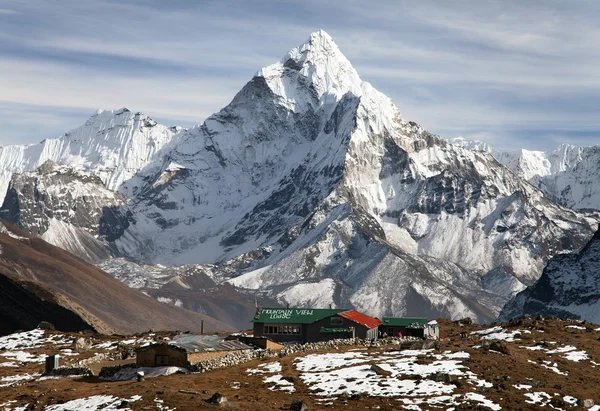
(570, 400)
(149, 372)
(576, 356)
(571, 352)
(561, 350)
(93, 403)
(14, 379)
(508, 336)
(31, 339)
(481, 399)
(338, 373)
(326, 362)
(444, 401)
(361, 379)
(268, 368)
(488, 331)
(24, 357)
(553, 367)
(576, 327)
(523, 386)
(8, 364)
(535, 348)
(538, 397)
(279, 383)
(160, 405)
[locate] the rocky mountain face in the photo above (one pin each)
(568, 175)
(66, 207)
(569, 288)
(310, 188)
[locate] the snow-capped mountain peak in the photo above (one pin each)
(112, 144)
(319, 63)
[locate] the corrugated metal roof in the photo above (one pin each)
(293, 315)
(403, 321)
(361, 318)
(204, 343)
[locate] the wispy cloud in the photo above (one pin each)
(499, 70)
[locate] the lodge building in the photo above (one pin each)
(311, 324)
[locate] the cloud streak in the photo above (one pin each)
(504, 71)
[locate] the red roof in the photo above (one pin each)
(361, 319)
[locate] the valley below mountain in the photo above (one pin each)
(41, 282)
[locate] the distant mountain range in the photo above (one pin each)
(311, 189)
(569, 175)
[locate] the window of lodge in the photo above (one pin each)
(282, 329)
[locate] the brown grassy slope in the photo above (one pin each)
(122, 308)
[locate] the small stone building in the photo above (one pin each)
(187, 349)
(409, 327)
(311, 325)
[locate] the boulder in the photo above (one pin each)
(499, 346)
(298, 405)
(380, 371)
(217, 398)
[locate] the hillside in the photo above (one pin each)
(529, 364)
(91, 293)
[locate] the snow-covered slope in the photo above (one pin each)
(310, 179)
(114, 145)
(568, 288)
(569, 175)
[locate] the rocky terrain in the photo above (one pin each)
(66, 207)
(569, 287)
(526, 364)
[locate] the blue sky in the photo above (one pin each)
(516, 74)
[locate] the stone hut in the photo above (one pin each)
(187, 349)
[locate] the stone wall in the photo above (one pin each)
(233, 358)
(238, 357)
(65, 371)
(197, 357)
